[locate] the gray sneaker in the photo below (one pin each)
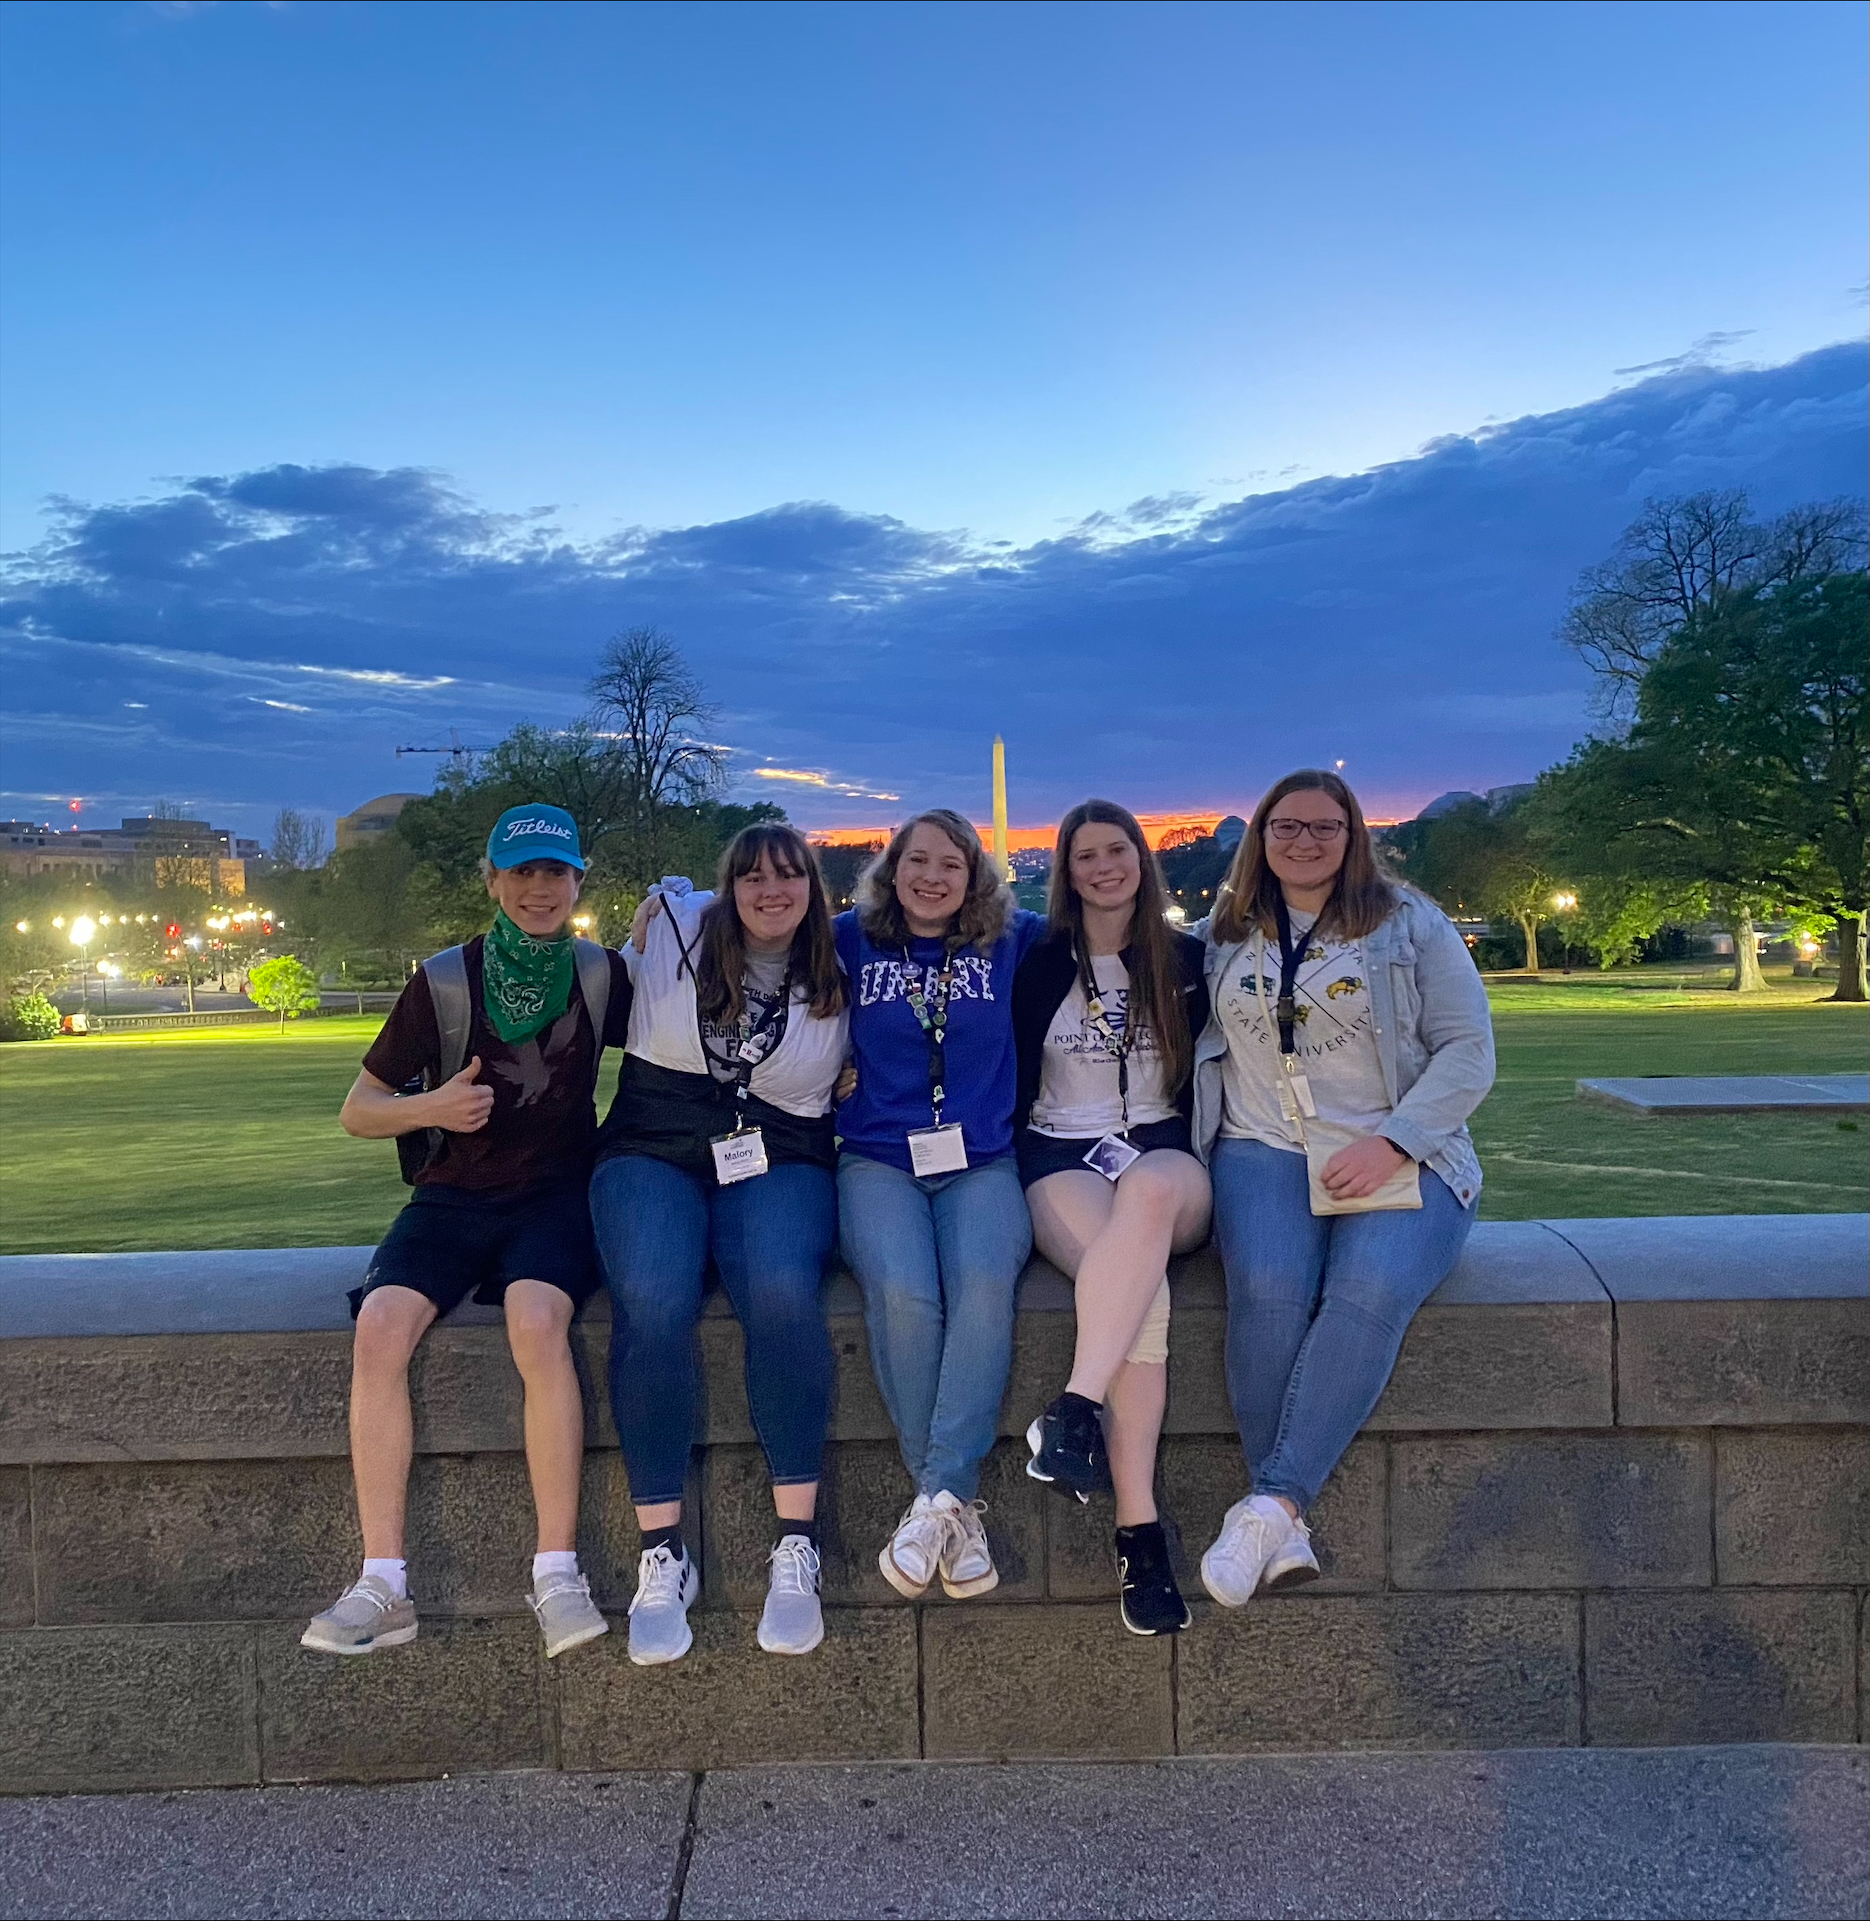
(793, 1622)
(362, 1619)
(566, 1614)
(665, 1590)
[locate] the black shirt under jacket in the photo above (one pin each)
(672, 1116)
(1044, 979)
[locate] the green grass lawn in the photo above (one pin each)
(228, 1137)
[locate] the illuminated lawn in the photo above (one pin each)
(228, 1137)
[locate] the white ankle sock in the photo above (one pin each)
(555, 1561)
(395, 1573)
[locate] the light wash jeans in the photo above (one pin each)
(1317, 1307)
(938, 1260)
(771, 1239)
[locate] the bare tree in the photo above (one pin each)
(298, 839)
(648, 698)
(1676, 560)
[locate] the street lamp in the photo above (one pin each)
(107, 971)
(83, 933)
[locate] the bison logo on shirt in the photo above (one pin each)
(1349, 984)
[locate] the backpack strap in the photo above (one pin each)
(454, 1010)
(594, 983)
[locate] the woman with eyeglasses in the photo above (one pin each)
(1350, 1041)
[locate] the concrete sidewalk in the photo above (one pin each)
(1746, 1831)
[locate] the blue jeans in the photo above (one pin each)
(938, 1260)
(771, 1239)
(1317, 1307)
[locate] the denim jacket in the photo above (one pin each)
(1434, 1035)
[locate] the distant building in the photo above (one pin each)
(189, 851)
(1230, 830)
(372, 820)
(1447, 803)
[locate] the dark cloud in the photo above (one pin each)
(284, 630)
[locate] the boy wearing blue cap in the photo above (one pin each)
(484, 1074)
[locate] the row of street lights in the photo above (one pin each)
(83, 930)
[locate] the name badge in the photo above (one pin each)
(1111, 1156)
(738, 1157)
(938, 1150)
(1295, 1098)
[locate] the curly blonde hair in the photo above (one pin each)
(985, 910)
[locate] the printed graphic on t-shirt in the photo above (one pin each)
(529, 1067)
(1078, 1088)
(971, 979)
(721, 1038)
(1331, 1000)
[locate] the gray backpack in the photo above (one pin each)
(454, 1021)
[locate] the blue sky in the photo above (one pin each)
(846, 341)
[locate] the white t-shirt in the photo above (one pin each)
(797, 1075)
(1336, 1039)
(1078, 1073)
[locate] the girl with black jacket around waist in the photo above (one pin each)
(720, 1143)
(1105, 1014)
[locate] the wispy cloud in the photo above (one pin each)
(1173, 655)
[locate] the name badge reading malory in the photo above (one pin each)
(738, 1157)
(938, 1150)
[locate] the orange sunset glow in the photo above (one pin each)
(1018, 839)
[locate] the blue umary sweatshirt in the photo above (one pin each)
(892, 1052)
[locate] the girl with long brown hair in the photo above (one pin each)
(1106, 1011)
(720, 1144)
(1350, 1042)
(929, 1206)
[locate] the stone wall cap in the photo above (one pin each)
(304, 1289)
(1727, 1257)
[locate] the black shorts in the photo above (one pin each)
(449, 1242)
(1043, 1154)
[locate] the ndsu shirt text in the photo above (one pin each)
(892, 1052)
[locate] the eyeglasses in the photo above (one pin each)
(1324, 832)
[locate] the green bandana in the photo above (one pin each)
(525, 982)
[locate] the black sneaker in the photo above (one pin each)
(1150, 1602)
(1067, 1443)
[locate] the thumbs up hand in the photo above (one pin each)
(462, 1105)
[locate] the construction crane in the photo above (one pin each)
(454, 750)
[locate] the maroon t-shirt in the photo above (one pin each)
(544, 1118)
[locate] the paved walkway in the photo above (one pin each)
(1734, 1093)
(1672, 1832)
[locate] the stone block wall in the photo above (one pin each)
(1617, 1492)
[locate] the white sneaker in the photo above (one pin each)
(966, 1561)
(793, 1621)
(665, 1590)
(567, 1616)
(912, 1555)
(1255, 1531)
(1294, 1564)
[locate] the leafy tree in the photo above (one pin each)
(1679, 559)
(28, 1017)
(1476, 859)
(284, 986)
(1757, 715)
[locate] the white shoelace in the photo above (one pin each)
(966, 1530)
(358, 1591)
(557, 1584)
(795, 1566)
(658, 1579)
(927, 1531)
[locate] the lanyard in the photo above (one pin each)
(746, 1056)
(1291, 952)
(1118, 1048)
(932, 1018)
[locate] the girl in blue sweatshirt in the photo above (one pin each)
(930, 1210)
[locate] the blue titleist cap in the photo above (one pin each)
(534, 833)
